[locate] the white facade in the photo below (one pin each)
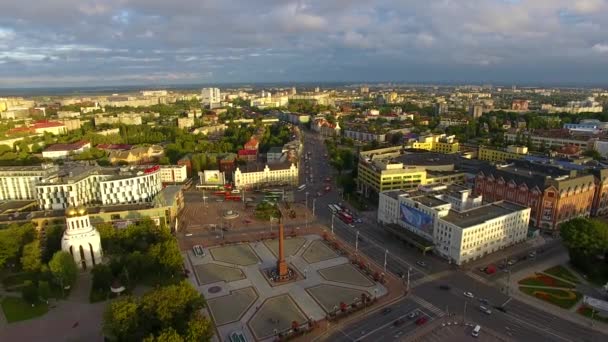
(173, 173)
(19, 182)
(244, 179)
(210, 96)
(141, 188)
(81, 239)
(459, 236)
(68, 149)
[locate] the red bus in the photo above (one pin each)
(220, 193)
(346, 218)
(232, 198)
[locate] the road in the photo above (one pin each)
(521, 321)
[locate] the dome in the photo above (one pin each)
(71, 211)
(81, 210)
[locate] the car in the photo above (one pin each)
(386, 311)
(511, 262)
(413, 315)
(421, 321)
(532, 255)
(421, 263)
(484, 301)
(359, 220)
(351, 225)
(189, 234)
(445, 287)
(398, 322)
(485, 310)
(468, 294)
(500, 308)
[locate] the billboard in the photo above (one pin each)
(213, 177)
(417, 218)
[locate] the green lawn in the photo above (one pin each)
(586, 311)
(553, 296)
(16, 309)
(534, 281)
(562, 272)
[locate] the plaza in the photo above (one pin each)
(241, 298)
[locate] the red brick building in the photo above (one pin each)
(555, 195)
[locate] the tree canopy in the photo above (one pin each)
(12, 241)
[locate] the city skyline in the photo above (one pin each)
(130, 42)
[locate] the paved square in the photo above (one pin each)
(247, 302)
(235, 254)
(292, 245)
(276, 313)
(318, 251)
(330, 296)
(212, 273)
(230, 308)
(346, 273)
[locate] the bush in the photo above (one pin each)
(29, 292)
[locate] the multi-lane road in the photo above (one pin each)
(519, 321)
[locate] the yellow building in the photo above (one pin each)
(500, 155)
(381, 175)
(438, 143)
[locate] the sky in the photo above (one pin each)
(126, 42)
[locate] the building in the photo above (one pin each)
(520, 105)
(19, 182)
(456, 227)
(274, 155)
(495, 155)
(549, 138)
(325, 128)
(255, 175)
(81, 239)
(185, 122)
(253, 144)
(211, 97)
(554, 194)
(60, 151)
(476, 110)
(133, 119)
(362, 134)
(445, 122)
(173, 173)
(379, 171)
(294, 118)
(248, 155)
(65, 114)
(82, 184)
(441, 108)
(137, 155)
(576, 107)
(438, 143)
(40, 127)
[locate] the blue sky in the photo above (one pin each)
(115, 42)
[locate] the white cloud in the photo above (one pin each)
(601, 48)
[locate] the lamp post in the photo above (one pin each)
(408, 278)
(314, 202)
(333, 216)
(357, 244)
(385, 255)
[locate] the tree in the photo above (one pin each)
(12, 240)
(29, 292)
(585, 236)
(44, 290)
(31, 260)
(171, 306)
(167, 335)
(121, 319)
(52, 242)
(63, 268)
(167, 255)
(593, 154)
(102, 277)
(199, 329)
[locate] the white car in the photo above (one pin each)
(468, 294)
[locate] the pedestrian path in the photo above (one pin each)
(423, 303)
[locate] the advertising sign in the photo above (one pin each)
(417, 218)
(213, 177)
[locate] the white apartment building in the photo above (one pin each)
(19, 182)
(79, 184)
(277, 174)
(210, 97)
(457, 235)
(173, 173)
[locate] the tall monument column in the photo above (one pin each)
(281, 264)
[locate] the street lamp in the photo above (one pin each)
(357, 244)
(314, 202)
(385, 255)
(333, 216)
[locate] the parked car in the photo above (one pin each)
(386, 311)
(500, 308)
(421, 263)
(421, 321)
(468, 294)
(445, 287)
(413, 315)
(484, 301)
(398, 322)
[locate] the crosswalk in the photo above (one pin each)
(430, 307)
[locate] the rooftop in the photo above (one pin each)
(479, 215)
(66, 147)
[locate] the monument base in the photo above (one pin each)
(274, 278)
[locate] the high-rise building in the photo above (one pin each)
(210, 96)
(441, 108)
(476, 110)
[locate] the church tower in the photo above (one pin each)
(80, 238)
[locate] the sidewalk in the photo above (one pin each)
(511, 251)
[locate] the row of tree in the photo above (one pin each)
(587, 243)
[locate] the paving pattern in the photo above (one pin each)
(212, 273)
(235, 254)
(292, 245)
(318, 251)
(346, 273)
(276, 313)
(231, 307)
(330, 296)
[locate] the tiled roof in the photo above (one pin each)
(66, 147)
